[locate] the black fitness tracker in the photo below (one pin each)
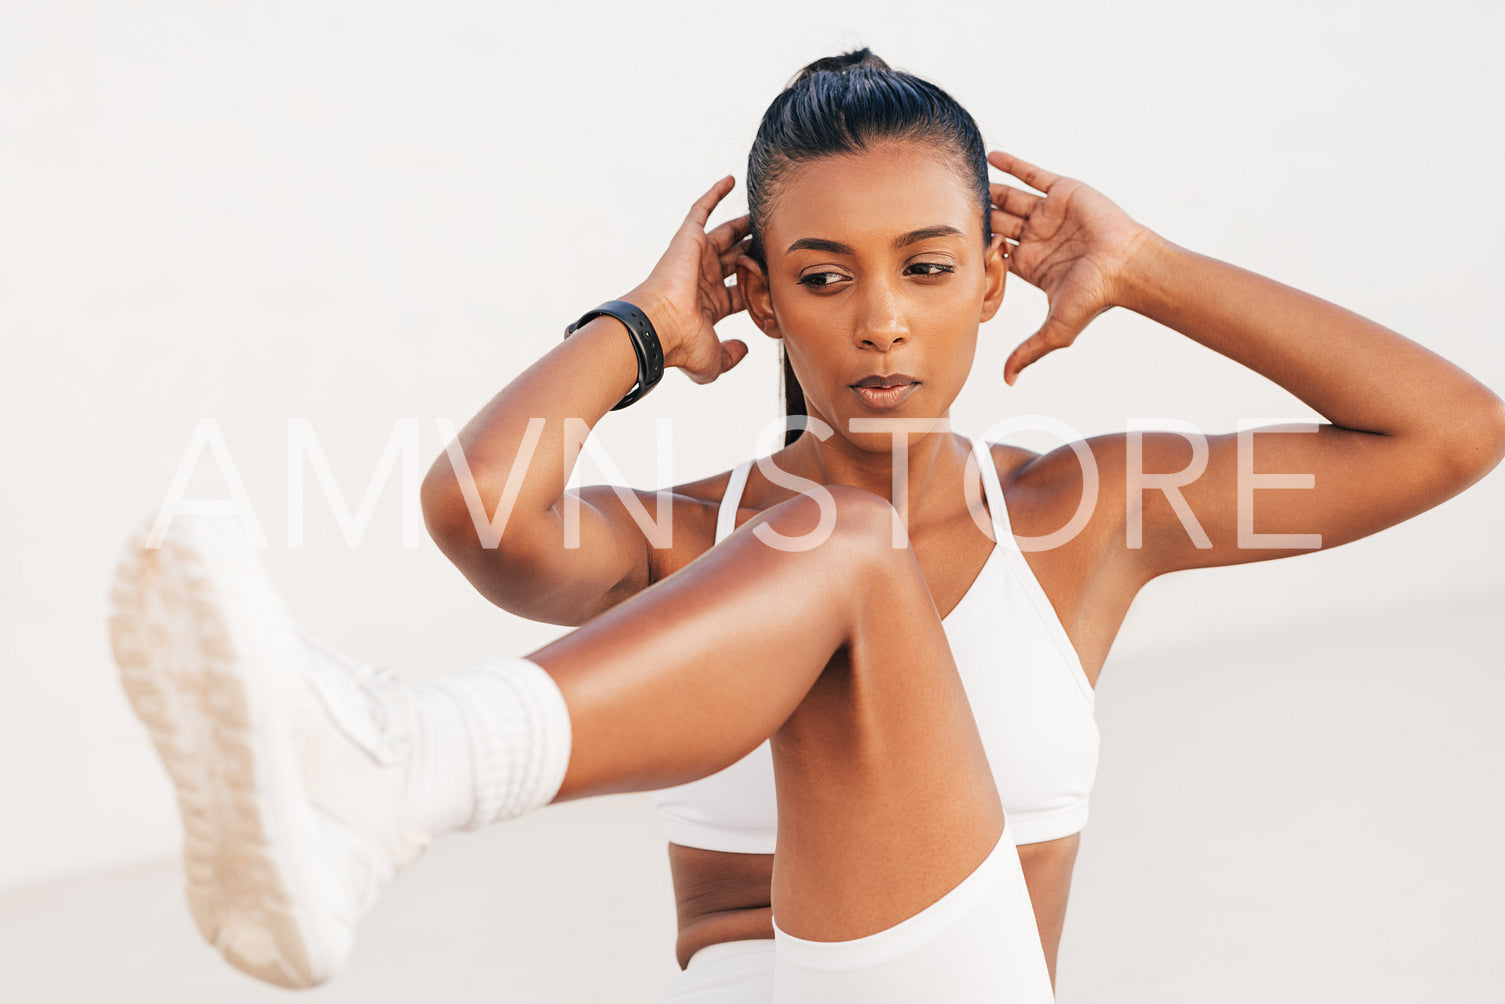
(644, 342)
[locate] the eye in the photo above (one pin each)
(821, 280)
(933, 268)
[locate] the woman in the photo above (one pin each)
(927, 706)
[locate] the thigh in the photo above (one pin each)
(976, 944)
(886, 799)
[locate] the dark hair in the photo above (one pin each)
(841, 104)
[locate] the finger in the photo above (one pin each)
(1035, 177)
(1010, 226)
(733, 351)
(730, 255)
(737, 300)
(701, 211)
(1053, 334)
(730, 232)
(1012, 200)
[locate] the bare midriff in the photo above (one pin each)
(726, 897)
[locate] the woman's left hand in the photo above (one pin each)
(1072, 243)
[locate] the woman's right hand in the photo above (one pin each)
(687, 293)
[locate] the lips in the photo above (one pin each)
(889, 380)
(882, 392)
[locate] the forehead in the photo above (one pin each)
(875, 194)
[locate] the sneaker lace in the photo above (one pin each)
(375, 690)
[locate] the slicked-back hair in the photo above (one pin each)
(844, 104)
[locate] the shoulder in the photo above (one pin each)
(1070, 466)
(1010, 461)
(1081, 480)
(708, 491)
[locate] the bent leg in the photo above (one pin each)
(894, 876)
(290, 762)
(886, 799)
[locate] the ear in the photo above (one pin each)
(996, 263)
(753, 282)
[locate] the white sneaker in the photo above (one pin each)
(290, 761)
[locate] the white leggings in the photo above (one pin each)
(976, 943)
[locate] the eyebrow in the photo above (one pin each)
(903, 240)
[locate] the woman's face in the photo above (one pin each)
(877, 274)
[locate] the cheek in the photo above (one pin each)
(805, 357)
(956, 328)
(963, 356)
(801, 313)
(814, 336)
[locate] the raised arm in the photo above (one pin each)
(1405, 428)
(514, 449)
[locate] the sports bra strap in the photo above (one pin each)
(997, 509)
(726, 517)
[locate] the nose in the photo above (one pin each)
(880, 319)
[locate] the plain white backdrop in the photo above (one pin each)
(360, 214)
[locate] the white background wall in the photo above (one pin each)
(361, 213)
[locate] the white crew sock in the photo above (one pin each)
(491, 743)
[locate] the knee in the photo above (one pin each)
(852, 543)
(851, 525)
(866, 523)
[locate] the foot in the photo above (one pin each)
(290, 760)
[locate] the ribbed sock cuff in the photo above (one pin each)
(520, 736)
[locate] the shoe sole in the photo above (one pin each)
(206, 652)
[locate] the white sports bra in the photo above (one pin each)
(1029, 694)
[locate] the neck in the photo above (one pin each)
(931, 477)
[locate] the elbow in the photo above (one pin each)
(1495, 431)
(462, 525)
(447, 512)
(442, 505)
(448, 515)
(1477, 441)
(500, 567)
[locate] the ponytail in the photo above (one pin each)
(794, 398)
